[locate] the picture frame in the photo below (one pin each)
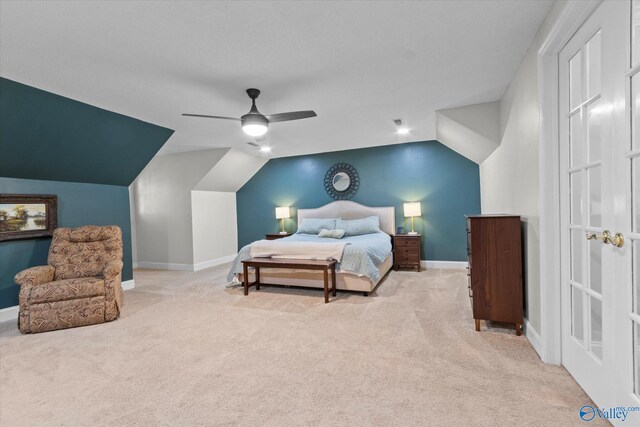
(27, 216)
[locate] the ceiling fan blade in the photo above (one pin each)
(293, 115)
(210, 117)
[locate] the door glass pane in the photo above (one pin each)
(575, 80)
(575, 141)
(595, 197)
(577, 255)
(595, 265)
(635, 249)
(635, 111)
(594, 128)
(577, 309)
(596, 327)
(593, 65)
(577, 186)
(635, 32)
(635, 194)
(636, 357)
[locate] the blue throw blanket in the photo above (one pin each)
(361, 256)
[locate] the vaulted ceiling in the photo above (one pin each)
(359, 65)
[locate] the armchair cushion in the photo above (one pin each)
(67, 289)
(84, 251)
(35, 275)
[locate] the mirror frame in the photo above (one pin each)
(350, 172)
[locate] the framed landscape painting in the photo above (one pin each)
(25, 216)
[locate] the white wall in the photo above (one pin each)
(215, 226)
(184, 208)
(163, 206)
(509, 180)
(472, 130)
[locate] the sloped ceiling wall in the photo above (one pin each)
(49, 137)
(472, 130)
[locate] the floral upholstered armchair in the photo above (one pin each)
(80, 286)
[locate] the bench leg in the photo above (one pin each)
(326, 285)
(333, 279)
(246, 279)
(257, 278)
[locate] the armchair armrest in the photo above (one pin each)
(112, 269)
(35, 275)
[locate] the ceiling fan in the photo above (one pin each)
(254, 123)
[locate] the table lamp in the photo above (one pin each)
(281, 214)
(410, 210)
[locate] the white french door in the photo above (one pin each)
(600, 197)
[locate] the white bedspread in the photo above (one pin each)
(283, 248)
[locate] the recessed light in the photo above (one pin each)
(265, 149)
(401, 129)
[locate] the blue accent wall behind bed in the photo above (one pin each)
(446, 183)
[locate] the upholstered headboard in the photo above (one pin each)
(347, 209)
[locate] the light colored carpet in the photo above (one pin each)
(189, 351)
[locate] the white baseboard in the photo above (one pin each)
(185, 267)
(128, 285)
(213, 262)
(165, 266)
(457, 265)
(533, 336)
(11, 313)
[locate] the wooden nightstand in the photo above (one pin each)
(406, 250)
(275, 236)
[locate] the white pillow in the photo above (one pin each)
(334, 234)
(314, 225)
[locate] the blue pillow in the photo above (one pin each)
(356, 227)
(314, 225)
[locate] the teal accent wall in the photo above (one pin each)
(47, 136)
(78, 204)
(446, 183)
(85, 155)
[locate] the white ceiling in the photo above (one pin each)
(357, 64)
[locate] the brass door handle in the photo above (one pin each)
(605, 236)
(618, 240)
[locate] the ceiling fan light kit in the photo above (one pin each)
(256, 124)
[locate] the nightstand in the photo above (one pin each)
(275, 236)
(406, 250)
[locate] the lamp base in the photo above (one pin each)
(412, 233)
(284, 232)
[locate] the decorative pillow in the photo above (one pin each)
(314, 225)
(356, 227)
(334, 234)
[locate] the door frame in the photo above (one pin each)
(570, 19)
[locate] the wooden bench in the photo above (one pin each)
(302, 264)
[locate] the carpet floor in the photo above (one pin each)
(188, 350)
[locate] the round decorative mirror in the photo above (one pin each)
(341, 181)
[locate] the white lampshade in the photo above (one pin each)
(254, 129)
(254, 124)
(282, 212)
(412, 209)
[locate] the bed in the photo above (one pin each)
(365, 262)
